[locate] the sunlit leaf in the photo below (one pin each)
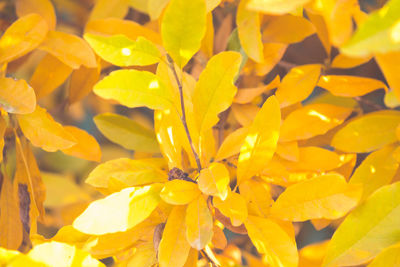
(345, 62)
(119, 211)
(126, 132)
(232, 144)
(261, 141)
(248, 25)
(49, 74)
(349, 86)
(288, 150)
(109, 9)
(389, 67)
(380, 33)
(388, 257)
(268, 237)
(122, 51)
(155, 8)
(312, 120)
(41, 129)
(179, 192)
(371, 227)
(134, 88)
(174, 248)
(298, 84)
(16, 96)
(22, 37)
(234, 207)
(312, 255)
(247, 95)
(327, 196)
(199, 223)
(214, 91)
(86, 146)
(258, 197)
(275, 7)
(70, 49)
(368, 133)
(42, 7)
(214, 180)
(182, 28)
(377, 169)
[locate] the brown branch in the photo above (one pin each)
(183, 118)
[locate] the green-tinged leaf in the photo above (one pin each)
(366, 231)
(261, 141)
(248, 25)
(179, 192)
(119, 211)
(182, 29)
(380, 33)
(122, 51)
(174, 248)
(271, 239)
(41, 129)
(126, 132)
(214, 92)
(134, 88)
(312, 120)
(199, 223)
(368, 133)
(22, 37)
(326, 196)
(388, 257)
(127, 171)
(16, 96)
(376, 170)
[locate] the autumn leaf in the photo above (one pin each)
(214, 180)
(42, 7)
(179, 192)
(275, 7)
(234, 207)
(16, 96)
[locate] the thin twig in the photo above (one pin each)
(368, 103)
(183, 118)
(286, 65)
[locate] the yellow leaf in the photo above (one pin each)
(192, 259)
(366, 231)
(182, 29)
(322, 30)
(388, 257)
(126, 132)
(60, 254)
(248, 25)
(349, 86)
(312, 120)
(326, 196)
(245, 114)
(155, 8)
(269, 238)
(16, 96)
(128, 171)
(82, 82)
(312, 255)
(261, 141)
(389, 67)
(42, 7)
(199, 223)
(109, 9)
(214, 91)
(345, 62)
(119, 211)
(219, 239)
(22, 37)
(376, 170)
(275, 7)
(49, 74)
(232, 144)
(234, 207)
(10, 222)
(207, 45)
(41, 129)
(70, 49)
(179, 192)
(288, 151)
(247, 95)
(258, 197)
(287, 29)
(174, 248)
(122, 51)
(273, 53)
(134, 88)
(113, 26)
(144, 256)
(367, 133)
(390, 99)
(86, 146)
(298, 84)
(315, 159)
(3, 128)
(214, 180)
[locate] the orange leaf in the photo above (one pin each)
(16, 96)
(234, 207)
(42, 7)
(82, 82)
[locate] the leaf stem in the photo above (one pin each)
(183, 117)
